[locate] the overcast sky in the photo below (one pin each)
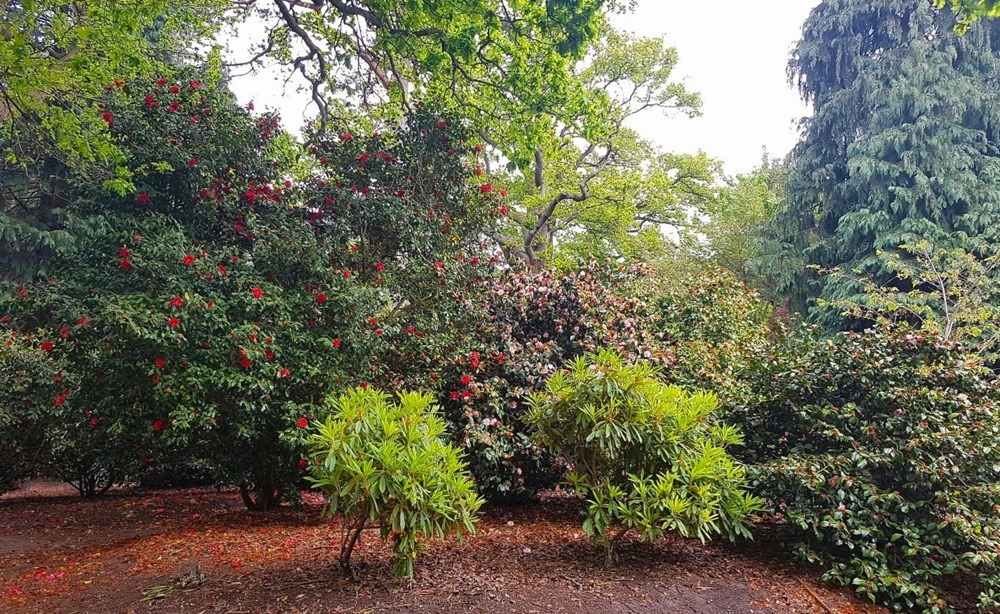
(733, 52)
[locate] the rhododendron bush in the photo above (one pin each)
(205, 314)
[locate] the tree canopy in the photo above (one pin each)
(902, 147)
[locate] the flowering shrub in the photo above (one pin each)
(31, 386)
(208, 310)
(644, 455)
(881, 447)
(190, 314)
(713, 325)
(386, 464)
(526, 325)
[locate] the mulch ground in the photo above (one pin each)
(62, 553)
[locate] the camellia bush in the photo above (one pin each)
(644, 455)
(32, 389)
(207, 312)
(881, 448)
(386, 464)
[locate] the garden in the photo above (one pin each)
(469, 341)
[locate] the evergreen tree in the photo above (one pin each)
(904, 145)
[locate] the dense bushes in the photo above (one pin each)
(384, 464)
(882, 448)
(643, 455)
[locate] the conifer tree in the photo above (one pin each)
(903, 146)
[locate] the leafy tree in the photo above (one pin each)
(594, 186)
(645, 456)
(386, 464)
(737, 214)
(969, 11)
(951, 293)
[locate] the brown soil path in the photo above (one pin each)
(60, 553)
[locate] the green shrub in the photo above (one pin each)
(644, 455)
(385, 464)
(881, 447)
(30, 384)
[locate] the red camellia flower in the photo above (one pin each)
(150, 101)
(64, 332)
(285, 373)
(410, 329)
(22, 293)
(176, 301)
(303, 463)
(400, 193)
(158, 425)
(378, 331)
(144, 463)
(126, 264)
(320, 298)
(195, 84)
(222, 270)
(83, 322)
(363, 158)
(466, 380)
(193, 162)
(363, 385)
(144, 198)
(269, 354)
(486, 188)
(245, 363)
(61, 399)
(175, 89)
(503, 210)
(173, 322)
(379, 267)
(47, 346)
(188, 260)
(257, 292)
(454, 394)
(347, 274)
(372, 321)
(123, 252)
(160, 363)
(156, 380)
(336, 343)
(302, 423)
(474, 359)
(93, 421)
(346, 136)
(107, 118)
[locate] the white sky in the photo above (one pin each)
(733, 52)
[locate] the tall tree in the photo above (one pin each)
(904, 144)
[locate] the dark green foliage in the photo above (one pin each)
(904, 144)
(31, 388)
(881, 447)
(645, 456)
